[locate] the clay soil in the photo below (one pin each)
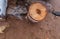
(49, 28)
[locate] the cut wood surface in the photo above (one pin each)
(22, 29)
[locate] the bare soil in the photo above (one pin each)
(49, 28)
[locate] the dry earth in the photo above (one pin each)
(49, 28)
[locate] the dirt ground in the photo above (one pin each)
(49, 28)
